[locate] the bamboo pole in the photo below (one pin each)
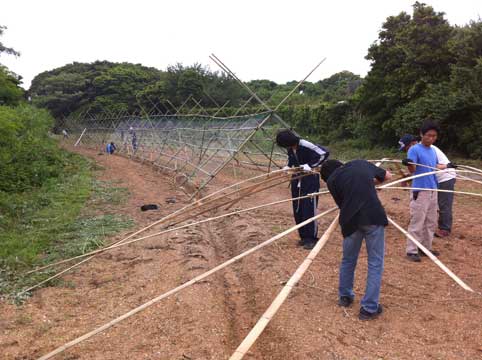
(471, 168)
(80, 137)
(419, 175)
(437, 190)
(434, 168)
(263, 321)
(176, 213)
(298, 85)
(115, 246)
(120, 242)
(432, 257)
(180, 287)
(423, 248)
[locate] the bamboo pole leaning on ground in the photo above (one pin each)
(118, 244)
(80, 137)
(263, 321)
(432, 257)
(474, 171)
(237, 212)
(470, 168)
(419, 175)
(176, 213)
(181, 287)
(436, 190)
(187, 211)
(166, 218)
(420, 246)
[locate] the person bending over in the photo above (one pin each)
(362, 216)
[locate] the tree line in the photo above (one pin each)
(421, 67)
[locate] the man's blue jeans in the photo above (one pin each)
(375, 243)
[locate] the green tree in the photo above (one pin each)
(10, 91)
(3, 48)
(412, 52)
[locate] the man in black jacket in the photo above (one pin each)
(303, 154)
(361, 217)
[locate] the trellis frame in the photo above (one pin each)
(189, 142)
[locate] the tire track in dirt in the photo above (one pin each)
(246, 293)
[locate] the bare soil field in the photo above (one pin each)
(427, 315)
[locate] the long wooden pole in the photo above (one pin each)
(298, 85)
(119, 243)
(436, 169)
(432, 257)
(436, 190)
(177, 212)
(420, 246)
(471, 168)
(169, 217)
(263, 321)
(115, 246)
(181, 287)
(417, 176)
(80, 137)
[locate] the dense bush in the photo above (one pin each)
(28, 156)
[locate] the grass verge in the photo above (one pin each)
(67, 216)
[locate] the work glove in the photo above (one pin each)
(407, 161)
(306, 167)
(451, 166)
(285, 168)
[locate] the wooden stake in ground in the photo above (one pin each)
(181, 287)
(256, 331)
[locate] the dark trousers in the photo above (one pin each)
(306, 208)
(445, 202)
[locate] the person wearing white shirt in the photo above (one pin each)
(446, 181)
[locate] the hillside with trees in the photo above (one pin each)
(421, 67)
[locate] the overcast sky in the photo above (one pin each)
(258, 39)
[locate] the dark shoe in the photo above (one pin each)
(303, 241)
(345, 301)
(414, 257)
(365, 315)
(434, 252)
(309, 244)
(442, 233)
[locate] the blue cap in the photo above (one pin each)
(405, 140)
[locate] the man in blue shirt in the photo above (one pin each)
(423, 204)
(110, 148)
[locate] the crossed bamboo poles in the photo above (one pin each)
(239, 353)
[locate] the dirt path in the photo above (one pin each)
(427, 315)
